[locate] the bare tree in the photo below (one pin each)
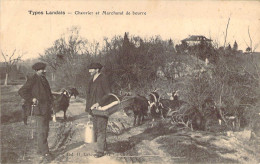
(10, 61)
(66, 52)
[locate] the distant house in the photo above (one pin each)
(196, 39)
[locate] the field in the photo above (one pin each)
(161, 143)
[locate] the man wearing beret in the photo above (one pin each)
(36, 91)
(97, 88)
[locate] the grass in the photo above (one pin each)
(11, 102)
(13, 132)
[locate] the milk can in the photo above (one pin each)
(89, 133)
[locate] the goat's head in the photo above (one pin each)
(73, 92)
(174, 95)
(154, 102)
(65, 92)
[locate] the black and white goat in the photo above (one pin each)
(172, 104)
(155, 109)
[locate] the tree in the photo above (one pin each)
(235, 46)
(65, 54)
(228, 48)
(248, 49)
(170, 46)
(181, 47)
(126, 50)
(10, 61)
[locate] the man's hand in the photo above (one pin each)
(99, 108)
(95, 106)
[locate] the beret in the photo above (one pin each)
(95, 66)
(39, 66)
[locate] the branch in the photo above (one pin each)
(3, 56)
(246, 43)
(256, 47)
(10, 58)
(250, 39)
(226, 32)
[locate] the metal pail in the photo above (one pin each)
(89, 133)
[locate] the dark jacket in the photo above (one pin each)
(96, 91)
(37, 87)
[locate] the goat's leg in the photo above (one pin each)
(65, 117)
(161, 113)
(142, 118)
(135, 119)
(233, 125)
(139, 119)
(153, 121)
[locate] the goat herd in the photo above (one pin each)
(154, 107)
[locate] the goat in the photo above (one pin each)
(62, 100)
(154, 106)
(228, 118)
(139, 107)
(172, 104)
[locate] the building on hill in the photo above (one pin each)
(196, 39)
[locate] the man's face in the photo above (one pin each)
(93, 71)
(41, 72)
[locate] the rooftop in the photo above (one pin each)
(197, 38)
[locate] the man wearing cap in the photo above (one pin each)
(97, 88)
(36, 91)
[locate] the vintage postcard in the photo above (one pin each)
(130, 81)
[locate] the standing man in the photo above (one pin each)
(97, 88)
(36, 91)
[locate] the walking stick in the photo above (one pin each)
(31, 120)
(32, 109)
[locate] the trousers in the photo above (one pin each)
(42, 134)
(100, 127)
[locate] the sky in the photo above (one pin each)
(31, 34)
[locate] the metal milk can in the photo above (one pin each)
(89, 132)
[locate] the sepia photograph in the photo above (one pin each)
(151, 81)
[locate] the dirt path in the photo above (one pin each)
(121, 141)
(146, 144)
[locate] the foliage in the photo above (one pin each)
(227, 85)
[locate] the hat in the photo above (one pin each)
(39, 66)
(95, 66)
